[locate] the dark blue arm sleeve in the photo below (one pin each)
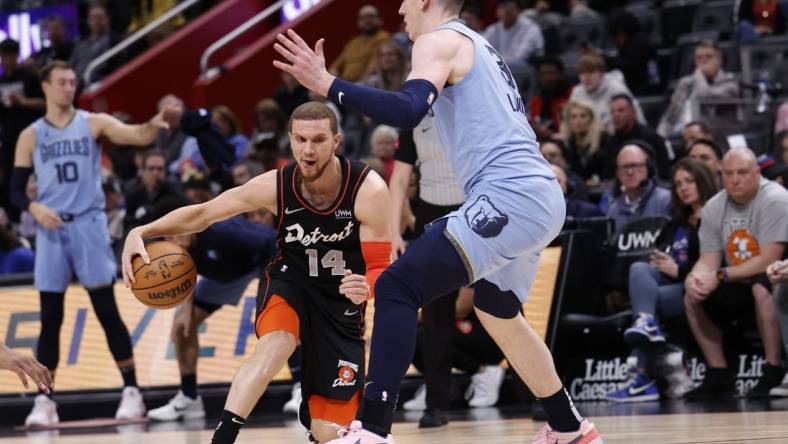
(19, 177)
(402, 109)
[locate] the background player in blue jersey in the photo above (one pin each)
(73, 236)
(513, 209)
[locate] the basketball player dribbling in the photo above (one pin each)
(333, 229)
(513, 209)
(72, 235)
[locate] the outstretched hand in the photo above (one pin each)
(308, 66)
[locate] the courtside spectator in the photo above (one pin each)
(359, 53)
(575, 208)
(14, 257)
(744, 230)
(635, 194)
(708, 80)
(656, 287)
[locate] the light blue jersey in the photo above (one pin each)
(514, 206)
(482, 121)
(67, 163)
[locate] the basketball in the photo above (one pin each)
(169, 278)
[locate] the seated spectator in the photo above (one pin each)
(390, 68)
(473, 17)
(575, 208)
(656, 287)
(708, 152)
(245, 170)
(96, 43)
(760, 18)
(271, 123)
(516, 38)
(554, 152)
(744, 230)
(708, 81)
(626, 126)
(265, 151)
(586, 141)
(197, 189)
(635, 57)
(59, 47)
(173, 142)
(229, 127)
(359, 53)
(598, 87)
(635, 194)
(384, 144)
(291, 94)
(145, 191)
(550, 98)
(695, 130)
(580, 11)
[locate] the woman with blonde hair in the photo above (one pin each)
(586, 139)
(390, 68)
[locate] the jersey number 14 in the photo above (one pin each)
(332, 260)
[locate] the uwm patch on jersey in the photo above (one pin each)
(319, 244)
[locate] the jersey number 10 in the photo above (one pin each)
(67, 172)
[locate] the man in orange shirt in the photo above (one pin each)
(359, 53)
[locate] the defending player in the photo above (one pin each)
(72, 232)
(332, 217)
(513, 209)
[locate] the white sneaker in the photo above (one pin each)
(419, 401)
(294, 404)
(131, 404)
(44, 412)
(781, 391)
(180, 406)
(485, 386)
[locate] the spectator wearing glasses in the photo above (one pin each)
(744, 230)
(635, 194)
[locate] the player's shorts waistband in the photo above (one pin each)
(71, 217)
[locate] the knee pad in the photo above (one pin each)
(490, 299)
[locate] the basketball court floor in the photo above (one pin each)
(668, 423)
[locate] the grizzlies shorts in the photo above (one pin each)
(80, 247)
(503, 226)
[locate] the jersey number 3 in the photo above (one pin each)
(331, 260)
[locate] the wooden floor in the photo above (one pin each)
(765, 427)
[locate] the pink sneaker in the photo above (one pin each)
(357, 435)
(587, 434)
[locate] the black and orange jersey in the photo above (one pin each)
(317, 246)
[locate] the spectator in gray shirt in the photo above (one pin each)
(516, 38)
(92, 46)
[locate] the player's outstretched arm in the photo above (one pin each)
(120, 133)
(24, 367)
(432, 65)
(259, 192)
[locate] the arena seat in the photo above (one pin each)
(677, 19)
(575, 32)
(715, 16)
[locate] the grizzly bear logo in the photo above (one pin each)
(484, 219)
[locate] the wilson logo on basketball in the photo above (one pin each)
(172, 293)
(347, 374)
(741, 247)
